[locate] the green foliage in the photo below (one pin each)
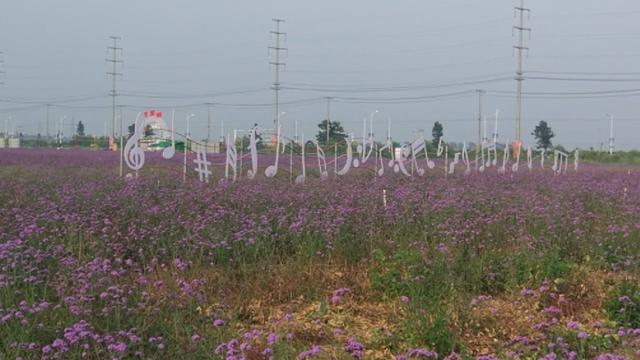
(437, 132)
(623, 304)
(543, 135)
(80, 129)
(336, 132)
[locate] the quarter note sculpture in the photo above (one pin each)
(253, 147)
(456, 161)
(505, 159)
(302, 177)
(322, 162)
(465, 159)
(516, 165)
(347, 165)
(272, 170)
(170, 151)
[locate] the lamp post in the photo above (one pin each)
(186, 147)
(373, 113)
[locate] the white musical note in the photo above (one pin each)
(505, 159)
(560, 162)
(272, 170)
(530, 158)
(232, 159)
(302, 177)
(456, 160)
(387, 146)
(133, 154)
(480, 160)
(543, 154)
(465, 159)
(405, 152)
(202, 166)
(576, 159)
(367, 139)
(516, 165)
(253, 147)
(322, 162)
(170, 151)
(440, 147)
(347, 165)
(416, 147)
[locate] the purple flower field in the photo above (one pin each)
(487, 266)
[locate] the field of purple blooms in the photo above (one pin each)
(486, 266)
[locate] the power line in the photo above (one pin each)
(583, 73)
(392, 89)
(154, 95)
(51, 100)
(2, 72)
(114, 74)
(580, 79)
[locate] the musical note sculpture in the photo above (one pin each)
(231, 163)
(322, 162)
(170, 151)
(272, 170)
(253, 147)
(133, 154)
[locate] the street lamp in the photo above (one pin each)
(373, 113)
(186, 147)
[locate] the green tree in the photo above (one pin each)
(148, 131)
(80, 129)
(132, 129)
(437, 132)
(543, 135)
(336, 132)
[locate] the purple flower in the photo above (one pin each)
(119, 347)
(272, 338)
(527, 292)
(315, 350)
(573, 325)
(354, 348)
(404, 299)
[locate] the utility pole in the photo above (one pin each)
(611, 139)
(208, 125)
(520, 10)
(1, 65)
(495, 128)
(121, 141)
(48, 106)
(114, 74)
(328, 119)
(276, 65)
(480, 94)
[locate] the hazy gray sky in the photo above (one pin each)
(54, 50)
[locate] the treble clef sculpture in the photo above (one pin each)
(133, 154)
